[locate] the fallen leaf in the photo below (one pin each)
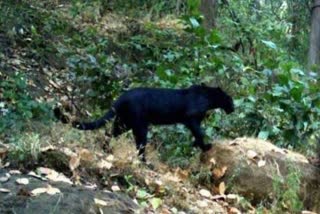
(68, 152)
(110, 158)
(69, 88)
(53, 83)
(100, 202)
(59, 177)
(53, 175)
(219, 172)
(115, 188)
(49, 190)
(52, 190)
(205, 193)
(22, 181)
(91, 186)
(47, 148)
(234, 210)
(14, 172)
(44, 171)
(3, 153)
(261, 163)
(74, 162)
(147, 181)
(158, 182)
(5, 178)
(38, 191)
(213, 161)
(166, 211)
(135, 201)
(251, 154)
(4, 190)
(104, 165)
(76, 178)
(33, 174)
(222, 188)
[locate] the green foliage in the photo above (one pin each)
(175, 147)
(150, 8)
(25, 147)
(17, 106)
(286, 111)
(274, 97)
(287, 193)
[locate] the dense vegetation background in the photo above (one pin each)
(89, 52)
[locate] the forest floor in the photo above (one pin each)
(82, 178)
(71, 177)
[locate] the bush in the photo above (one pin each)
(17, 106)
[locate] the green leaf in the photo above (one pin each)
(92, 59)
(278, 91)
(214, 37)
(297, 71)
(283, 78)
(238, 102)
(296, 93)
(142, 194)
(155, 202)
(269, 44)
(161, 73)
(194, 22)
(252, 99)
(263, 135)
(193, 6)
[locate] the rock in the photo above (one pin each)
(48, 197)
(253, 165)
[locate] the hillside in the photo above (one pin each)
(80, 56)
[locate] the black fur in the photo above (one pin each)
(138, 108)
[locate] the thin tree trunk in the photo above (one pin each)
(294, 19)
(314, 48)
(209, 11)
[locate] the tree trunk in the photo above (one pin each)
(209, 10)
(314, 48)
(294, 19)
